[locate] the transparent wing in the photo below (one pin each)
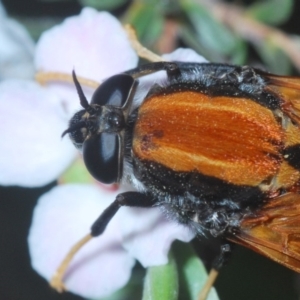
(288, 89)
(274, 231)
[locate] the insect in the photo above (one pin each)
(216, 146)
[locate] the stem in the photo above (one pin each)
(46, 77)
(139, 48)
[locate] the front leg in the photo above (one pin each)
(171, 68)
(218, 263)
(224, 255)
(133, 199)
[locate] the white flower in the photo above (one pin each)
(65, 214)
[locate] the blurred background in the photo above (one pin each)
(264, 34)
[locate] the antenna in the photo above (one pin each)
(83, 101)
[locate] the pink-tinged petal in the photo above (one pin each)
(148, 235)
(32, 152)
(62, 217)
(68, 96)
(16, 49)
(93, 43)
(185, 54)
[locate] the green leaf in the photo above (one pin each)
(211, 33)
(275, 59)
(189, 38)
(102, 4)
(272, 12)
(192, 273)
(147, 20)
(238, 55)
(77, 172)
(161, 282)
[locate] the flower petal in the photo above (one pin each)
(185, 54)
(93, 43)
(68, 96)
(62, 217)
(32, 152)
(148, 235)
(16, 49)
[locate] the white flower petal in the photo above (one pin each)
(93, 43)
(62, 217)
(185, 54)
(69, 97)
(16, 49)
(32, 152)
(148, 235)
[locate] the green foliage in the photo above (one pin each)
(161, 282)
(147, 19)
(217, 42)
(274, 58)
(182, 278)
(209, 31)
(77, 173)
(102, 4)
(272, 12)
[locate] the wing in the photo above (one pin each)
(288, 89)
(274, 231)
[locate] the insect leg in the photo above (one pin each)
(224, 256)
(219, 262)
(134, 199)
(171, 68)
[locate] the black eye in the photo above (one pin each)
(114, 91)
(101, 154)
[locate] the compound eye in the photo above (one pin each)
(101, 154)
(115, 91)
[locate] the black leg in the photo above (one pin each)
(134, 199)
(218, 263)
(125, 199)
(224, 256)
(171, 68)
